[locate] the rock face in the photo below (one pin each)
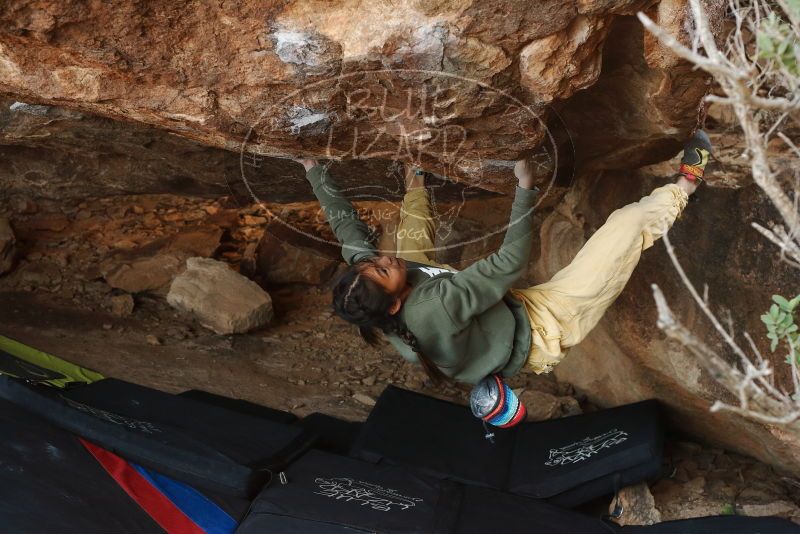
(626, 358)
(44, 148)
(220, 299)
(7, 248)
(457, 85)
(641, 90)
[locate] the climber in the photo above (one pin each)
(467, 325)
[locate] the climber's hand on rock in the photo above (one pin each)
(414, 180)
(307, 163)
(523, 170)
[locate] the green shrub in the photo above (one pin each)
(777, 40)
(781, 326)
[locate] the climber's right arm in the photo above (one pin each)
(484, 283)
(351, 231)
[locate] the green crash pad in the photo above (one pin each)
(22, 361)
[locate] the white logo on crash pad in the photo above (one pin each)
(585, 448)
(364, 494)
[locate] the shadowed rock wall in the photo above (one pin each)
(56, 153)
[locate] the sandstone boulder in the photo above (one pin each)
(7, 246)
(280, 262)
(540, 405)
(122, 305)
(151, 267)
(145, 274)
(457, 85)
(220, 298)
(637, 506)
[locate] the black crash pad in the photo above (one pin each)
(50, 483)
(208, 447)
(566, 461)
(327, 493)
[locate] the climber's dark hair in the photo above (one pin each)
(362, 302)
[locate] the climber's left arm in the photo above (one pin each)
(351, 231)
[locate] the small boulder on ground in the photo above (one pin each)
(144, 274)
(636, 505)
(280, 262)
(151, 267)
(541, 406)
(220, 298)
(122, 305)
(364, 399)
(7, 246)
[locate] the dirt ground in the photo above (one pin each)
(59, 299)
(306, 361)
(279, 367)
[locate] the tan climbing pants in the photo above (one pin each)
(416, 232)
(565, 309)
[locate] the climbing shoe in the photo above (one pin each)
(696, 153)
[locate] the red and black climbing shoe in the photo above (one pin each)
(696, 153)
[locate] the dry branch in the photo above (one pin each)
(754, 87)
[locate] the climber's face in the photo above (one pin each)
(388, 272)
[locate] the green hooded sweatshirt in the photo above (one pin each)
(466, 322)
